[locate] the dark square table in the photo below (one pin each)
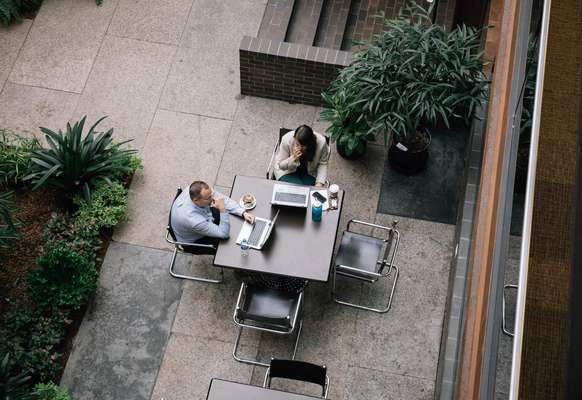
(226, 390)
(297, 247)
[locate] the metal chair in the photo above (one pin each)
(361, 257)
(270, 174)
(299, 371)
(503, 323)
(267, 310)
(191, 248)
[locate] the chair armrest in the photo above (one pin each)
(176, 243)
(386, 228)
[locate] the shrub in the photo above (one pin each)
(412, 75)
(130, 161)
(15, 153)
(13, 386)
(64, 279)
(80, 236)
(31, 339)
(76, 163)
(7, 224)
(13, 10)
(50, 391)
(107, 207)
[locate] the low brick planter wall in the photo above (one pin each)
(287, 71)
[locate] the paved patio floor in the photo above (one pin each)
(166, 74)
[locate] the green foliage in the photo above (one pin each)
(125, 165)
(13, 10)
(80, 236)
(529, 90)
(13, 386)
(31, 339)
(15, 153)
(76, 163)
(413, 74)
(107, 207)
(7, 224)
(64, 279)
(50, 391)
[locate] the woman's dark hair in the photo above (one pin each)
(305, 136)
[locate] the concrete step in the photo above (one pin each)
(276, 20)
(304, 21)
(332, 24)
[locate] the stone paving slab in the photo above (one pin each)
(205, 77)
(11, 40)
(206, 310)
(24, 109)
(62, 44)
(409, 334)
(161, 21)
(125, 84)
(361, 181)
(179, 149)
(366, 384)
(255, 130)
(219, 25)
(119, 347)
(191, 362)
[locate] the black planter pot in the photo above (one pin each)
(406, 161)
(354, 156)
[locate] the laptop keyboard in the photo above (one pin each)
(255, 235)
(290, 197)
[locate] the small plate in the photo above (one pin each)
(249, 207)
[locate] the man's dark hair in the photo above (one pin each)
(196, 188)
(305, 136)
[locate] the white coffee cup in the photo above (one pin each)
(333, 191)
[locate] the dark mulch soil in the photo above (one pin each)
(33, 209)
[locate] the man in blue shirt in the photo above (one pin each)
(201, 215)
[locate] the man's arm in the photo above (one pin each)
(230, 205)
(221, 231)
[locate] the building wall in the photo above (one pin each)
(545, 341)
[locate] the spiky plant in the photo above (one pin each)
(13, 387)
(76, 163)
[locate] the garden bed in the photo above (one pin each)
(58, 209)
(33, 210)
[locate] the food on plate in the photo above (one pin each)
(248, 200)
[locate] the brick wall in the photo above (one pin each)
(286, 71)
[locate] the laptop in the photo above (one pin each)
(290, 195)
(258, 233)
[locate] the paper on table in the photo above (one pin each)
(323, 192)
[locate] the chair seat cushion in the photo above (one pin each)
(359, 251)
(269, 306)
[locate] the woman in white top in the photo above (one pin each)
(302, 157)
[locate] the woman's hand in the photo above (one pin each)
(296, 153)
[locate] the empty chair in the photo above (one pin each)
(267, 310)
(299, 371)
(367, 258)
(191, 248)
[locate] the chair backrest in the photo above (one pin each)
(299, 371)
(170, 229)
(391, 247)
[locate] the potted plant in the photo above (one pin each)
(529, 90)
(413, 75)
(348, 125)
